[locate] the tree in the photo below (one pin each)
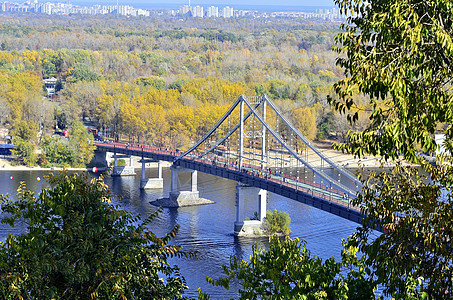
(413, 258)
(27, 131)
(82, 72)
(277, 222)
(400, 54)
(79, 246)
(57, 151)
(305, 121)
(81, 144)
(25, 151)
(154, 81)
(287, 271)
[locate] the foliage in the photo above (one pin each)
(78, 246)
(305, 121)
(155, 82)
(57, 151)
(17, 88)
(399, 54)
(81, 72)
(27, 131)
(413, 258)
(75, 151)
(118, 64)
(287, 271)
(277, 222)
(24, 151)
(81, 143)
(121, 162)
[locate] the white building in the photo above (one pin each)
(47, 8)
(213, 12)
(125, 10)
(50, 85)
(197, 12)
(185, 9)
(227, 12)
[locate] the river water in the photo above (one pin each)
(206, 229)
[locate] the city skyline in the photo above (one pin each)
(283, 3)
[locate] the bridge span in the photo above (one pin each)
(310, 193)
(257, 146)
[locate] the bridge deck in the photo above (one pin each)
(310, 193)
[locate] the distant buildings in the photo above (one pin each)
(67, 8)
(197, 12)
(212, 12)
(188, 11)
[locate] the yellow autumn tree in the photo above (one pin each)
(304, 120)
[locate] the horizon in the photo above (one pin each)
(284, 4)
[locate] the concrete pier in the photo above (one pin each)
(123, 171)
(151, 183)
(243, 227)
(179, 197)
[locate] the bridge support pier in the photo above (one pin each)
(179, 197)
(123, 171)
(183, 198)
(151, 183)
(243, 227)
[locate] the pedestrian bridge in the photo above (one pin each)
(255, 145)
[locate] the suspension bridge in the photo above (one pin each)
(257, 146)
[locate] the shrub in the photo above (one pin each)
(277, 222)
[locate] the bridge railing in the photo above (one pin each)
(297, 183)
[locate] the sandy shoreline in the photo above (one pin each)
(5, 165)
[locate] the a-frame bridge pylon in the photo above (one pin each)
(254, 136)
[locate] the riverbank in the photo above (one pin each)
(6, 165)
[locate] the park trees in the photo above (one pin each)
(25, 137)
(76, 150)
(79, 246)
(400, 54)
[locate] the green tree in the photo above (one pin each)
(81, 143)
(400, 54)
(57, 151)
(25, 151)
(413, 258)
(153, 81)
(277, 222)
(82, 72)
(287, 271)
(78, 246)
(27, 131)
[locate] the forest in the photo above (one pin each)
(163, 81)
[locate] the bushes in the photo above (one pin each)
(277, 222)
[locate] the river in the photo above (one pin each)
(206, 229)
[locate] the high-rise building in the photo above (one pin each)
(184, 9)
(197, 12)
(213, 12)
(47, 8)
(227, 12)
